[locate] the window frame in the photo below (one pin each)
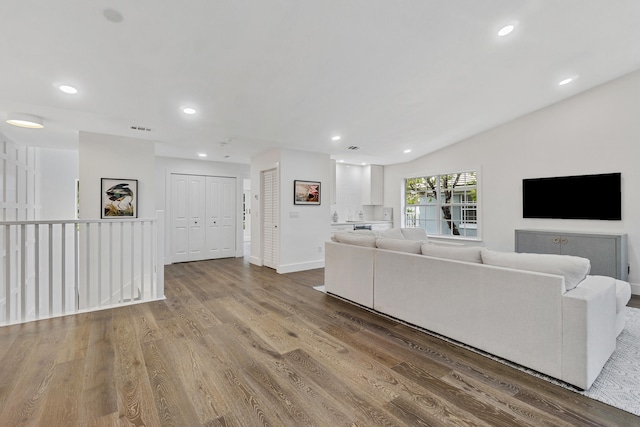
(438, 203)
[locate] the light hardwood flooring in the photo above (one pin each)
(239, 345)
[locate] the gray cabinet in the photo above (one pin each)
(607, 252)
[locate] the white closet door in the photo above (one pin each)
(179, 218)
(221, 217)
(197, 203)
(270, 215)
(187, 218)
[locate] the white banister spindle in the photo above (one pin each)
(50, 228)
(63, 253)
(87, 285)
(111, 263)
(121, 262)
(132, 260)
(23, 272)
(76, 264)
(7, 273)
(159, 252)
(142, 260)
(36, 262)
(99, 292)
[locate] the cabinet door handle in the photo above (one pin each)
(564, 240)
(556, 240)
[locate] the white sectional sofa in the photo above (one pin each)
(555, 319)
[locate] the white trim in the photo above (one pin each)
(302, 266)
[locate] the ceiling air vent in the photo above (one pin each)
(353, 147)
(144, 129)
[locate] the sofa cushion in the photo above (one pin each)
(392, 233)
(356, 239)
(399, 245)
(459, 253)
(414, 233)
(573, 268)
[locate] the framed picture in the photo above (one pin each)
(119, 198)
(306, 192)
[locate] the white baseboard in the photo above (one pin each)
(635, 288)
(292, 268)
(255, 261)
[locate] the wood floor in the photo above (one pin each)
(239, 345)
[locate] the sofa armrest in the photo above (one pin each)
(348, 272)
(588, 329)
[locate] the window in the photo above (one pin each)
(444, 205)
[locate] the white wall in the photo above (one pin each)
(59, 170)
(107, 156)
(303, 228)
(165, 166)
(597, 131)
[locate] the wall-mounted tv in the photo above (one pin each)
(573, 197)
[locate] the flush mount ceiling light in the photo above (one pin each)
(25, 120)
(68, 89)
(189, 110)
(407, 151)
(202, 154)
(335, 138)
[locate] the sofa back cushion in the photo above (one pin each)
(400, 245)
(573, 268)
(392, 233)
(414, 233)
(355, 239)
(459, 253)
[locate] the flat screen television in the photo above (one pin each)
(573, 197)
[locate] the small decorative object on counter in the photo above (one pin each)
(335, 216)
(361, 216)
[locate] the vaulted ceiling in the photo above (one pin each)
(386, 76)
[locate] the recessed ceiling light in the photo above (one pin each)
(566, 81)
(189, 110)
(25, 120)
(506, 30)
(340, 161)
(68, 89)
(363, 164)
(202, 154)
(335, 138)
(407, 151)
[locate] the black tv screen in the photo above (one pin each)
(573, 197)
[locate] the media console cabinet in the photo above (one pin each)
(607, 252)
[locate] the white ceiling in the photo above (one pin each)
(386, 75)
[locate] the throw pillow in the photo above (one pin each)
(399, 245)
(392, 233)
(459, 253)
(573, 268)
(414, 233)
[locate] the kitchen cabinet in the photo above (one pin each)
(607, 252)
(372, 185)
